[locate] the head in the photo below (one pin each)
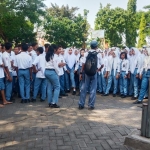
(58, 50)
(30, 48)
(94, 45)
(113, 54)
(54, 46)
(24, 47)
(39, 50)
(16, 50)
(2, 48)
(19, 47)
(76, 52)
(62, 51)
(50, 53)
(46, 47)
(123, 55)
(70, 51)
(82, 51)
(34, 46)
(8, 47)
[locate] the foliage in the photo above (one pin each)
(64, 28)
(18, 19)
(113, 22)
(142, 35)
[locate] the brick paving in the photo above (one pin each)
(34, 126)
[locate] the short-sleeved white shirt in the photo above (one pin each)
(39, 62)
(1, 68)
(7, 60)
(33, 55)
(23, 61)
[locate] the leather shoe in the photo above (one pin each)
(137, 102)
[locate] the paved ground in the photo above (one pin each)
(37, 127)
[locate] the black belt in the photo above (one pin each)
(50, 69)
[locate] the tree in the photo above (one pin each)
(64, 28)
(131, 33)
(18, 19)
(142, 35)
(113, 22)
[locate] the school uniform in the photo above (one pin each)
(33, 55)
(40, 80)
(24, 63)
(51, 74)
(2, 85)
(124, 69)
(70, 64)
(89, 81)
(8, 85)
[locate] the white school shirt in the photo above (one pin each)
(70, 60)
(61, 69)
(1, 68)
(124, 65)
(56, 61)
(39, 63)
(105, 63)
(23, 61)
(7, 60)
(13, 58)
(33, 55)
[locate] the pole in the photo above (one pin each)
(148, 114)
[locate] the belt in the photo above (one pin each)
(23, 69)
(50, 69)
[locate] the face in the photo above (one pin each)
(62, 51)
(30, 48)
(133, 52)
(126, 51)
(114, 55)
(82, 53)
(16, 50)
(76, 52)
(35, 47)
(0, 48)
(123, 56)
(58, 51)
(70, 51)
(130, 53)
(38, 53)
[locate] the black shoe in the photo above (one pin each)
(68, 91)
(28, 101)
(22, 101)
(81, 107)
(134, 98)
(74, 93)
(121, 95)
(145, 97)
(137, 102)
(25, 101)
(91, 108)
(105, 95)
(64, 94)
(50, 105)
(55, 106)
(124, 96)
(42, 100)
(60, 96)
(33, 100)
(114, 95)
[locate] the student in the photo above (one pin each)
(23, 66)
(90, 79)
(2, 85)
(144, 75)
(61, 73)
(40, 80)
(124, 69)
(15, 83)
(70, 60)
(51, 74)
(7, 64)
(79, 63)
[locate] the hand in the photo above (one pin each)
(117, 76)
(75, 71)
(105, 76)
(137, 76)
(10, 79)
(140, 76)
(129, 75)
(125, 76)
(80, 78)
(67, 71)
(2, 65)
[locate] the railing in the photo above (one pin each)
(145, 124)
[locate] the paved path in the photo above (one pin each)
(34, 126)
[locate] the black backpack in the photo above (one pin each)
(90, 66)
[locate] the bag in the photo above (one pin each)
(90, 66)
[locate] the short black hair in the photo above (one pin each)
(8, 46)
(40, 50)
(24, 47)
(3, 46)
(54, 46)
(47, 45)
(124, 54)
(34, 44)
(93, 47)
(19, 45)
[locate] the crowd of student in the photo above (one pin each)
(27, 71)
